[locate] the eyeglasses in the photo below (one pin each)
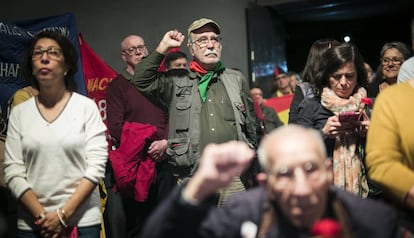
(286, 174)
(52, 53)
(394, 60)
(135, 49)
(203, 41)
(348, 76)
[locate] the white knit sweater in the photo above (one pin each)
(51, 158)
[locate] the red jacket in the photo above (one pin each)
(133, 169)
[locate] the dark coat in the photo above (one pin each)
(177, 218)
(312, 114)
(271, 117)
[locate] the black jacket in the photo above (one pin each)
(312, 114)
(177, 218)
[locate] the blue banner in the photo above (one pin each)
(15, 37)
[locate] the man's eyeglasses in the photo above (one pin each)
(52, 53)
(134, 49)
(285, 175)
(394, 60)
(203, 41)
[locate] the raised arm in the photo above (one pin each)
(219, 164)
(146, 78)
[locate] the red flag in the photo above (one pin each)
(97, 76)
(281, 106)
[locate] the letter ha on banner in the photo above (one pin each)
(14, 39)
(97, 75)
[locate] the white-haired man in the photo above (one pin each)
(296, 195)
(209, 104)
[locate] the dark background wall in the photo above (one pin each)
(105, 23)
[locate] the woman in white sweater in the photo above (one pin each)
(56, 148)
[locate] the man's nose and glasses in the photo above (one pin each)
(301, 174)
(135, 49)
(203, 42)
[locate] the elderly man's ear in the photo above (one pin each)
(261, 178)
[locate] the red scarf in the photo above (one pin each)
(207, 75)
(196, 67)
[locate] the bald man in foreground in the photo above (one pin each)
(295, 195)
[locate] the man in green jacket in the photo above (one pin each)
(207, 103)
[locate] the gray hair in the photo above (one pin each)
(400, 46)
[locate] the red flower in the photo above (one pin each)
(326, 228)
(367, 101)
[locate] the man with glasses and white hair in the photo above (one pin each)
(126, 104)
(296, 197)
(209, 104)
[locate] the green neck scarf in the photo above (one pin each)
(205, 80)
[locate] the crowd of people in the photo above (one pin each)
(194, 151)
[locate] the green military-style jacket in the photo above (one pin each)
(179, 93)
